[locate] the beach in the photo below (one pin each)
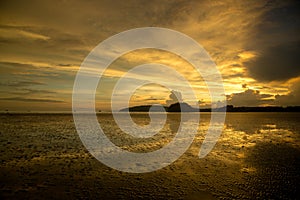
(256, 157)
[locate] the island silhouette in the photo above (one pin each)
(185, 107)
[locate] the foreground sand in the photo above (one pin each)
(42, 157)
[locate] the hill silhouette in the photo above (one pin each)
(181, 107)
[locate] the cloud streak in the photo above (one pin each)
(21, 83)
(31, 100)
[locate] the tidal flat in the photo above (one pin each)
(256, 157)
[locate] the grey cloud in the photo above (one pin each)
(248, 98)
(291, 99)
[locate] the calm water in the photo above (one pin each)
(257, 156)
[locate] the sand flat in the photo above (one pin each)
(257, 156)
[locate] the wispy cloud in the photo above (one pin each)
(28, 91)
(18, 34)
(21, 83)
(31, 100)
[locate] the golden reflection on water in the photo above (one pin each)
(241, 130)
(257, 155)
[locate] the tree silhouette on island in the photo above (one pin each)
(184, 107)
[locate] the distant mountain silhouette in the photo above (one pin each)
(184, 107)
(176, 107)
(231, 108)
(181, 107)
(144, 108)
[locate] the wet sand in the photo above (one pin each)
(42, 157)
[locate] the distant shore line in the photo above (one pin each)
(184, 107)
(177, 107)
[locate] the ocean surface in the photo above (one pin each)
(256, 156)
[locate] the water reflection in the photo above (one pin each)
(257, 156)
(252, 123)
(244, 130)
(241, 130)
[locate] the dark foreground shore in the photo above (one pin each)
(257, 156)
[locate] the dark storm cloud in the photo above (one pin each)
(276, 63)
(277, 43)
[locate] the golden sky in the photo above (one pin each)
(255, 45)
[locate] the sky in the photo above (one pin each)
(255, 45)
